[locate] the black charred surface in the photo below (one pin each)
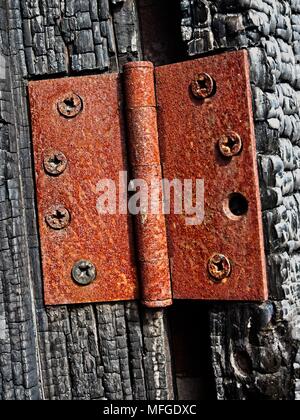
(255, 348)
(104, 351)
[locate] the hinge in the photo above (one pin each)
(192, 227)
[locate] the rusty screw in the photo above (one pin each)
(230, 144)
(70, 105)
(219, 267)
(203, 86)
(55, 162)
(84, 272)
(58, 217)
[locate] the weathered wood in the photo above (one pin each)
(255, 349)
(103, 351)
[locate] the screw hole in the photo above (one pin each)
(238, 204)
(235, 206)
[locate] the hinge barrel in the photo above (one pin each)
(144, 156)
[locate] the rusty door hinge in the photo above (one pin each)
(188, 125)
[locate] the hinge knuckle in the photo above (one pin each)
(144, 156)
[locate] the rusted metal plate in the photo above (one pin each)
(223, 257)
(78, 137)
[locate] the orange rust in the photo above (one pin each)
(94, 145)
(145, 162)
(189, 132)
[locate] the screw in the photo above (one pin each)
(84, 272)
(230, 144)
(55, 162)
(219, 267)
(58, 217)
(70, 105)
(203, 86)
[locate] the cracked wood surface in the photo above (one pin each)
(255, 349)
(103, 351)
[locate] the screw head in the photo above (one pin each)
(84, 272)
(230, 144)
(203, 86)
(219, 267)
(70, 105)
(57, 217)
(55, 162)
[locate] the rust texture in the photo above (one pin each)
(81, 119)
(145, 163)
(190, 130)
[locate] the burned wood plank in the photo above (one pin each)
(110, 351)
(256, 348)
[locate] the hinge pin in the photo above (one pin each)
(219, 267)
(84, 272)
(57, 217)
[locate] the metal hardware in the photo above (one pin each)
(189, 134)
(55, 162)
(219, 267)
(70, 105)
(94, 144)
(230, 144)
(145, 162)
(172, 135)
(203, 86)
(57, 217)
(84, 272)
